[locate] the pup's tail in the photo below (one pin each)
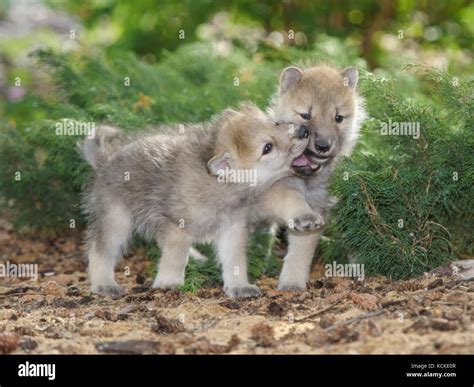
(196, 255)
(98, 148)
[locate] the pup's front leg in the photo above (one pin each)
(231, 246)
(286, 204)
(175, 245)
(297, 264)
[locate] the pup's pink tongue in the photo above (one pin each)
(301, 161)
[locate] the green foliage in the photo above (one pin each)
(40, 177)
(141, 26)
(405, 205)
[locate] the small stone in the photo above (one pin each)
(166, 326)
(72, 291)
(276, 309)
(28, 344)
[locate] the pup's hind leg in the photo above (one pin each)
(175, 246)
(107, 242)
(231, 247)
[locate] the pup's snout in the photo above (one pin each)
(322, 146)
(303, 132)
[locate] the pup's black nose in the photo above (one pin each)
(303, 132)
(322, 145)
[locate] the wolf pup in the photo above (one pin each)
(181, 187)
(324, 99)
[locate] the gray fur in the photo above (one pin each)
(95, 150)
(159, 186)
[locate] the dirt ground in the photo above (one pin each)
(57, 314)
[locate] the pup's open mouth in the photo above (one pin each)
(303, 165)
(308, 163)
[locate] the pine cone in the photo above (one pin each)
(8, 342)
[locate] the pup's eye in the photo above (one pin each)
(339, 118)
(267, 148)
(305, 116)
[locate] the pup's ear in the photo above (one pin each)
(350, 76)
(219, 163)
(289, 78)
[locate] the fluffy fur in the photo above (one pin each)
(312, 97)
(165, 187)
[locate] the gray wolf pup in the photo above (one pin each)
(180, 186)
(325, 100)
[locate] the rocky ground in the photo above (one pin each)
(58, 314)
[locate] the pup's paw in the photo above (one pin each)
(244, 291)
(306, 222)
(115, 291)
(292, 287)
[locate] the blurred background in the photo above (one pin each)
(383, 34)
